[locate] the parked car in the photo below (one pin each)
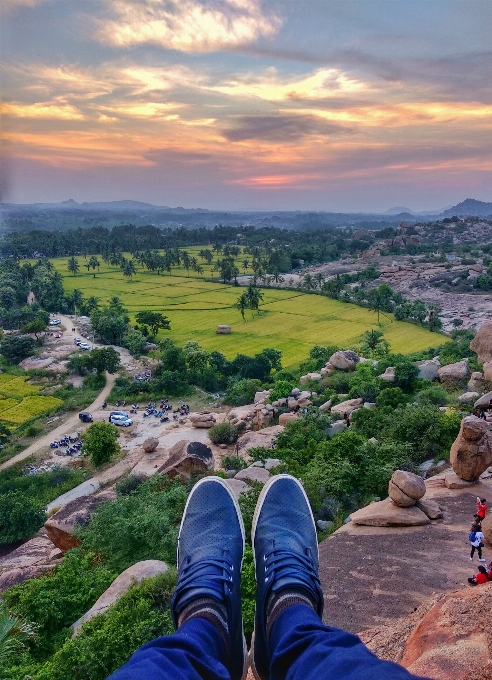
(55, 322)
(77, 341)
(84, 345)
(86, 417)
(119, 413)
(123, 421)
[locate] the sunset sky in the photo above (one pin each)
(343, 105)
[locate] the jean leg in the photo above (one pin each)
(195, 652)
(302, 648)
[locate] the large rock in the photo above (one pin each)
(285, 418)
(127, 579)
(262, 397)
(487, 371)
(263, 438)
(151, 463)
(150, 444)
(487, 528)
(484, 400)
(453, 482)
(431, 508)
(28, 561)
(471, 452)
(347, 406)
(187, 458)
(475, 383)
(387, 514)
(237, 486)
(467, 397)
(202, 420)
(388, 375)
(454, 372)
(482, 342)
(60, 527)
(336, 428)
(345, 360)
(405, 488)
(443, 639)
(326, 406)
(428, 369)
(253, 474)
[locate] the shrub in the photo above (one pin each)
(140, 526)
(339, 381)
(223, 433)
(392, 396)
(242, 392)
(129, 484)
(282, 389)
(233, 463)
(20, 517)
(435, 394)
(100, 442)
(107, 641)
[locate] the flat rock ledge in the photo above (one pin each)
(387, 514)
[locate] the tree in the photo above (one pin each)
(129, 268)
(206, 255)
(109, 325)
(134, 341)
(254, 297)
(245, 265)
(379, 299)
(20, 517)
(73, 265)
(154, 320)
(75, 299)
(104, 359)
(94, 263)
(373, 344)
(242, 304)
(186, 260)
(100, 442)
(457, 323)
(38, 325)
(7, 297)
(17, 347)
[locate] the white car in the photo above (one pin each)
(84, 345)
(55, 322)
(123, 421)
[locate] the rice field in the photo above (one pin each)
(20, 401)
(289, 320)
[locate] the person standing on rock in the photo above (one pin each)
(476, 539)
(481, 508)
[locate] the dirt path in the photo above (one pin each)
(70, 425)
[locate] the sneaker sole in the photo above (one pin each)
(223, 483)
(259, 506)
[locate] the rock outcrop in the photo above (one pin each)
(127, 579)
(475, 383)
(285, 418)
(467, 397)
(446, 638)
(253, 474)
(405, 488)
(484, 400)
(347, 406)
(29, 560)
(387, 514)
(482, 342)
(344, 360)
(251, 440)
(202, 420)
(428, 369)
(471, 452)
(487, 371)
(456, 372)
(187, 458)
(60, 527)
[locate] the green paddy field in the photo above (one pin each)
(289, 320)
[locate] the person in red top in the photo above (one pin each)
(481, 508)
(480, 578)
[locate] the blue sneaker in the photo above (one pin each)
(210, 556)
(286, 560)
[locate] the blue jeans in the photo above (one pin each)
(301, 648)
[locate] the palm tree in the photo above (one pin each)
(14, 633)
(277, 277)
(243, 304)
(245, 265)
(319, 280)
(73, 265)
(129, 268)
(94, 263)
(308, 282)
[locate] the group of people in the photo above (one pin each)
(476, 541)
(481, 411)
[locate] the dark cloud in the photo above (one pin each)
(281, 128)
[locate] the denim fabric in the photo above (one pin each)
(195, 652)
(301, 648)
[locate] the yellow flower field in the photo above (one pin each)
(28, 408)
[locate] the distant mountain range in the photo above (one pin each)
(72, 215)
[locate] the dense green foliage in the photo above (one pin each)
(223, 433)
(20, 517)
(142, 525)
(100, 442)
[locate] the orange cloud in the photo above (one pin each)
(41, 110)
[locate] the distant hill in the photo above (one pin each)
(469, 206)
(398, 210)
